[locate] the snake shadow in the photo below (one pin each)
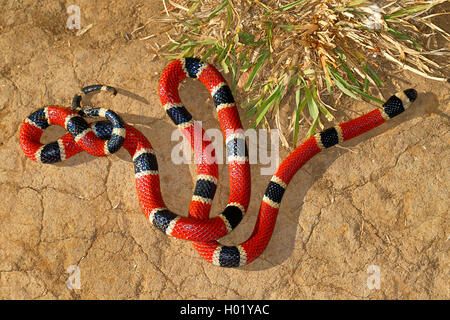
(276, 253)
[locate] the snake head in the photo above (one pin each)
(76, 101)
(411, 94)
(399, 102)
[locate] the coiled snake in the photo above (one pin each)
(102, 138)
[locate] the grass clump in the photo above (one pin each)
(312, 49)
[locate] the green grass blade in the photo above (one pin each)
(351, 76)
(300, 103)
(366, 85)
(342, 84)
(269, 33)
(217, 10)
(225, 51)
(193, 8)
(229, 17)
(402, 36)
(265, 106)
(234, 81)
(291, 5)
(259, 63)
(366, 95)
(312, 104)
(312, 129)
(246, 38)
(373, 75)
(408, 11)
(287, 27)
(208, 53)
(356, 3)
(225, 66)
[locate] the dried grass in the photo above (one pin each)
(312, 49)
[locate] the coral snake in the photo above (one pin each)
(105, 137)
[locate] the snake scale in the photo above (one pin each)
(102, 138)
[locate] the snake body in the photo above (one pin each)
(105, 137)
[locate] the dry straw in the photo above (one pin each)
(314, 50)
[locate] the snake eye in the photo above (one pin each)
(411, 94)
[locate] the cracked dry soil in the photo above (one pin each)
(381, 200)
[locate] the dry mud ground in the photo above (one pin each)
(382, 201)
